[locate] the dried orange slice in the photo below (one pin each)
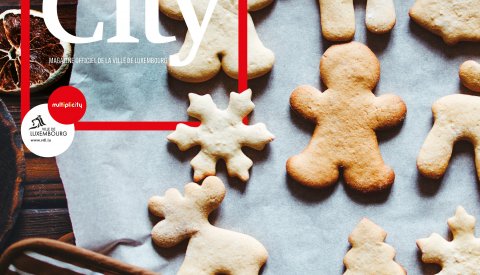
(44, 48)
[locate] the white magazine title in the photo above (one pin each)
(152, 25)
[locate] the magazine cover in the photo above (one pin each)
(239, 137)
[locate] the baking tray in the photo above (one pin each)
(304, 230)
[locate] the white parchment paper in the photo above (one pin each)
(109, 176)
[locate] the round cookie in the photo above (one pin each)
(470, 75)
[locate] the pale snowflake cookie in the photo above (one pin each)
(221, 135)
(459, 256)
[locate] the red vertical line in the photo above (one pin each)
(25, 58)
(243, 47)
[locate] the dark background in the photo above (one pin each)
(44, 210)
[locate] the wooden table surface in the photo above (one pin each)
(44, 210)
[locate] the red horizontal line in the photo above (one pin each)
(131, 125)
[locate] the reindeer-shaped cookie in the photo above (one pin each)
(346, 117)
(211, 250)
(219, 46)
(338, 18)
(457, 117)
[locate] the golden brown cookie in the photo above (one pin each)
(369, 253)
(338, 18)
(346, 117)
(453, 20)
(470, 75)
(211, 250)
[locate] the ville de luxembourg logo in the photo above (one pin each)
(43, 135)
(37, 123)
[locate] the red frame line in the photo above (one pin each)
(25, 58)
(128, 125)
(242, 45)
(243, 48)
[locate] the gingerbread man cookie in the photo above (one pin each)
(453, 20)
(338, 18)
(459, 256)
(370, 254)
(219, 46)
(221, 135)
(470, 75)
(456, 118)
(346, 117)
(211, 250)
